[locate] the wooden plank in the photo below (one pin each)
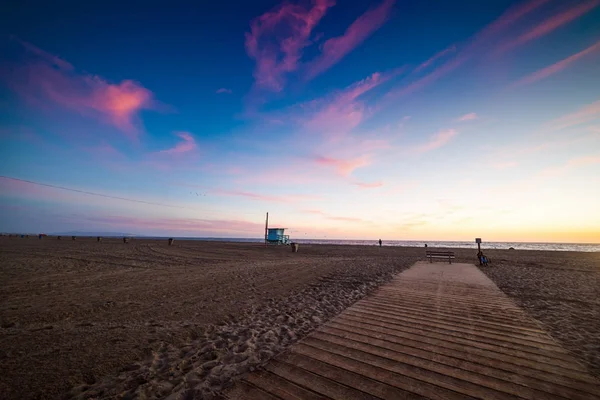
(459, 368)
(483, 334)
(361, 382)
(519, 319)
(246, 391)
(282, 388)
(505, 367)
(430, 385)
(508, 353)
(460, 318)
(316, 383)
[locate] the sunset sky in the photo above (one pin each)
(424, 120)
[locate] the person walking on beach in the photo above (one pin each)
(380, 242)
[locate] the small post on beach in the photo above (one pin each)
(266, 229)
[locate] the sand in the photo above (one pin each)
(83, 319)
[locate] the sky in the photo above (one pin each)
(407, 120)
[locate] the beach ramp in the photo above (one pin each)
(436, 331)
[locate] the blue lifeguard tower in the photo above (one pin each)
(277, 236)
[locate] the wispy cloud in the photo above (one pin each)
(333, 217)
(441, 54)
(477, 44)
(265, 197)
(277, 38)
(339, 113)
(467, 117)
(105, 151)
(368, 185)
(44, 55)
(571, 164)
(557, 67)
(550, 24)
(224, 91)
(436, 141)
(344, 167)
(334, 49)
(178, 224)
(586, 114)
(47, 78)
(187, 144)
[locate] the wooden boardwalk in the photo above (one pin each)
(437, 331)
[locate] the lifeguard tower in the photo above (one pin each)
(277, 236)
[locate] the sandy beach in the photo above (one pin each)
(82, 319)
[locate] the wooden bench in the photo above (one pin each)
(440, 254)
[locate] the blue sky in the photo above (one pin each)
(403, 120)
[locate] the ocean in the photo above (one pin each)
(585, 247)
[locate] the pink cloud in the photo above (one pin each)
(48, 79)
(508, 18)
(551, 24)
(180, 224)
(587, 114)
(557, 67)
(571, 164)
(346, 219)
(448, 50)
(344, 167)
(436, 141)
(106, 152)
(374, 144)
(467, 117)
(335, 49)
(340, 113)
(433, 76)
(333, 217)
(263, 197)
(368, 185)
(23, 189)
(224, 90)
(277, 38)
(187, 144)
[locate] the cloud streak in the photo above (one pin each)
(557, 67)
(187, 144)
(343, 167)
(333, 217)
(334, 49)
(224, 91)
(264, 197)
(479, 42)
(179, 224)
(467, 117)
(436, 141)
(586, 114)
(277, 38)
(368, 185)
(441, 54)
(550, 25)
(339, 113)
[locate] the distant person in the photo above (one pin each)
(380, 242)
(425, 244)
(483, 260)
